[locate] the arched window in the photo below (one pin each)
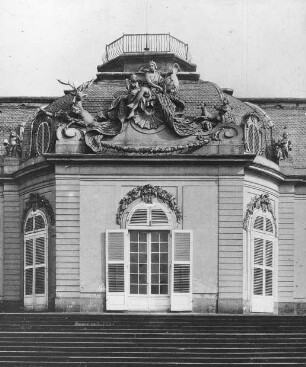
(43, 137)
(149, 215)
(263, 251)
(252, 135)
(35, 261)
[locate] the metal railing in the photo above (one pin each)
(135, 43)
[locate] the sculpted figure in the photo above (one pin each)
(77, 105)
(12, 145)
(171, 80)
(153, 80)
(153, 77)
(283, 147)
(137, 96)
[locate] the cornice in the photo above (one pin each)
(140, 159)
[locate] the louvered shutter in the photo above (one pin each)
(28, 267)
(259, 223)
(181, 271)
(40, 265)
(158, 217)
(269, 225)
(140, 217)
(263, 292)
(115, 270)
(258, 288)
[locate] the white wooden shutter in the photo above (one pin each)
(40, 265)
(28, 267)
(116, 270)
(181, 271)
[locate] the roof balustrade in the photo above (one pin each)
(138, 43)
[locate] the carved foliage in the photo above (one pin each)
(146, 194)
(37, 201)
(259, 202)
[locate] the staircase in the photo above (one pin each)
(127, 340)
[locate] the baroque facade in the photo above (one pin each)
(149, 189)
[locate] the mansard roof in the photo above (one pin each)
(198, 118)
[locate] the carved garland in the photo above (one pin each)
(153, 150)
(147, 193)
(37, 201)
(259, 202)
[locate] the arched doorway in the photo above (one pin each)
(148, 263)
(35, 261)
(263, 266)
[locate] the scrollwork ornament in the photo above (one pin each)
(35, 202)
(262, 202)
(146, 194)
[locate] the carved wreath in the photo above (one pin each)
(147, 193)
(37, 201)
(259, 202)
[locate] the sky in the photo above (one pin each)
(256, 47)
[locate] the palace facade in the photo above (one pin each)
(149, 189)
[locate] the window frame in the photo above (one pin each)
(34, 235)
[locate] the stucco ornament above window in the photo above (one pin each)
(146, 194)
(262, 202)
(150, 103)
(37, 201)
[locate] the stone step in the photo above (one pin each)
(145, 340)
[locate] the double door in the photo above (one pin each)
(35, 273)
(148, 270)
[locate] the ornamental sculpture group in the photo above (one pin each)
(149, 102)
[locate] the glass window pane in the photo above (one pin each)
(143, 247)
(133, 236)
(134, 247)
(154, 289)
(143, 289)
(164, 289)
(154, 278)
(143, 279)
(142, 237)
(134, 278)
(134, 258)
(164, 247)
(163, 278)
(143, 258)
(134, 268)
(143, 268)
(133, 289)
(155, 237)
(164, 236)
(155, 247)
(164, 268)
(155, 258)
(164, 258)
(154, 268)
